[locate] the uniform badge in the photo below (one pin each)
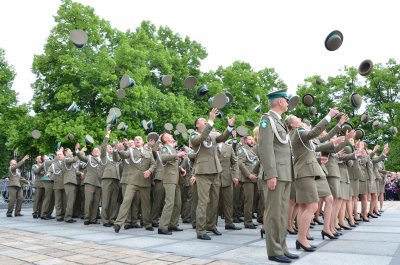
(263, 123)
(164, 150)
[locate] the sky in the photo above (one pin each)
(286, 35)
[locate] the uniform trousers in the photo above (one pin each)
(207, 189)
(15, 197)
(276, 217)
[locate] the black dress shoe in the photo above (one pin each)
(186, 221)
(232, 227)
(35, 216)
(150, 228)
(137, 226)
(43, 218)
(154, 224)
(204, 237)
(9, 215)
(95, 222)
(215, 231)
(18, 214)
(252, 226)
(128, 226)
(107, 224)
(236, 220)
(307, 249)
(70, 221)
(280, 259)
(174, 228)
(60, 219)
(117, 228)
(50, 217)
(86, 223)
(291, 256)
(164, 232)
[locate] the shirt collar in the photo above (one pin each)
(279, 116)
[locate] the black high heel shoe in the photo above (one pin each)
(378, 214)
(299, 245)
(345, 227)
(371, 215)
(364, 219)
(323, 234)
(292, 233)
(317, 221)
(310, 237)
(262, 232)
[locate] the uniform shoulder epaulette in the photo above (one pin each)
(194, 134)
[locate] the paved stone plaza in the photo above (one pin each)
(24, 240)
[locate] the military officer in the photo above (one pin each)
(169, 159)
(248, 165)
(158, 189)
(55, 171)
(92, 183)
(69, 167)
(48, 200)
(38, 170)
(229, 177)
(141, 166)
(276, 160)
(207, 167)
(15, 196)
(109, 182)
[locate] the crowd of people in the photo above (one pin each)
(286, 175)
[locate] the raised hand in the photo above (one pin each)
(213, 114)
(231, 121)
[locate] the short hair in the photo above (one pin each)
(272, 101)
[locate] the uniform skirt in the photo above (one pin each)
(354, 186)
(363, 187)
(372, 186)
(334, 185)
(323, 187)
(293, 192)
(344, 191)
(381, 188)
(306, 190)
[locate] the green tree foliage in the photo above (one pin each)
(12, 116)
(380, 92)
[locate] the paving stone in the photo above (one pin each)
(34, 258)
(76, 257)
(50, 261)
(141, 242)
(133, 260)
(323, 258)
(93, 260)
(173, 258)
(366, 247)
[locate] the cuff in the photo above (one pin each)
(230, 129)
(328, 118)
(211, 123)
